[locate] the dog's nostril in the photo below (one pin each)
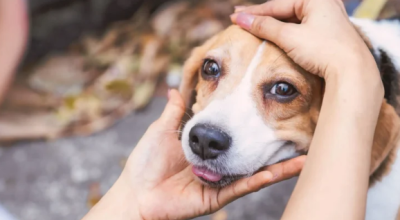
(208, 142)
(214, 145)
(195, 139)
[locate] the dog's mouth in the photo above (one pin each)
(214, 179)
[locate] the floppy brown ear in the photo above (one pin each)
(190, 76)
(191, 72)
(385, 142)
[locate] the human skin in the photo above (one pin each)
(13, 35)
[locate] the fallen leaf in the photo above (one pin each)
(61, 75)
(94, 194)
(369, 9)
(123, 161)
(166, 17)
(120, 87)
(143, 94)
(204, 30)
(16, 126)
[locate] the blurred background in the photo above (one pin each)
(95, 75)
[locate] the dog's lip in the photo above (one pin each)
(214, 179)
(206, 174)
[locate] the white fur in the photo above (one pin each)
(383, 34)
(384, 197)
(253, 142)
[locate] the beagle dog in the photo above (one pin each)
(253, 106)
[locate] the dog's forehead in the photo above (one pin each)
(235, 49)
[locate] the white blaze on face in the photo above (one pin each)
(254, 144)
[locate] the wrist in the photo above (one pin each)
(360, 83)
(118, 203)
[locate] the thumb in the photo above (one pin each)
(174, 111)
(268, 28)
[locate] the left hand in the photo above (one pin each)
(158, 183)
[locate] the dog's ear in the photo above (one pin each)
(385, 141)
(190, 76)
(191, 70)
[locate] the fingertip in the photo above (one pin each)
(175, 98)
(174, 110)
(245, 20)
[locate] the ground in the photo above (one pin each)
(50, 180)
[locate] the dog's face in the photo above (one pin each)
(254, 107)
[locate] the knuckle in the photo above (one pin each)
(258, 26)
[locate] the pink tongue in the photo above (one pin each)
(206, 174)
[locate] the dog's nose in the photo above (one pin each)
(208, 142)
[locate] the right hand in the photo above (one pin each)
(320, 38)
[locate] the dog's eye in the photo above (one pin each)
(211, 69)
(282, 89)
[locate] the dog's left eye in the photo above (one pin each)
(210, 69)
(283, 89)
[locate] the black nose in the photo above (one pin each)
(208, 142)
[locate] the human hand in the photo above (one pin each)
(158, 183)
(318, 36)
(13, 34)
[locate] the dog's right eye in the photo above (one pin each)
(210, 69)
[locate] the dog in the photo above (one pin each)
(252, 106)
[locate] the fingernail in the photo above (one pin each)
(239, 8)
(245, 20)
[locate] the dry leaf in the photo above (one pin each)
(166, 16)
(16, 126)
(220, 215)
(369, 9)
(143, 94)
(21, 97)
(61, 75)
(123, 161)
(83, 107)
(204, 30)
(94, 195)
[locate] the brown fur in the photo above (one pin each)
(385, 143)
(398, 215)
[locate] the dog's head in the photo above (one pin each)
(252, 107)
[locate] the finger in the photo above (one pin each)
(279, 9)
(173, 112)
(244, 186)
(13, 33)
(287, 169)
(270, 29)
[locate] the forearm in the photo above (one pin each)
(117, 204)
(334, 181)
